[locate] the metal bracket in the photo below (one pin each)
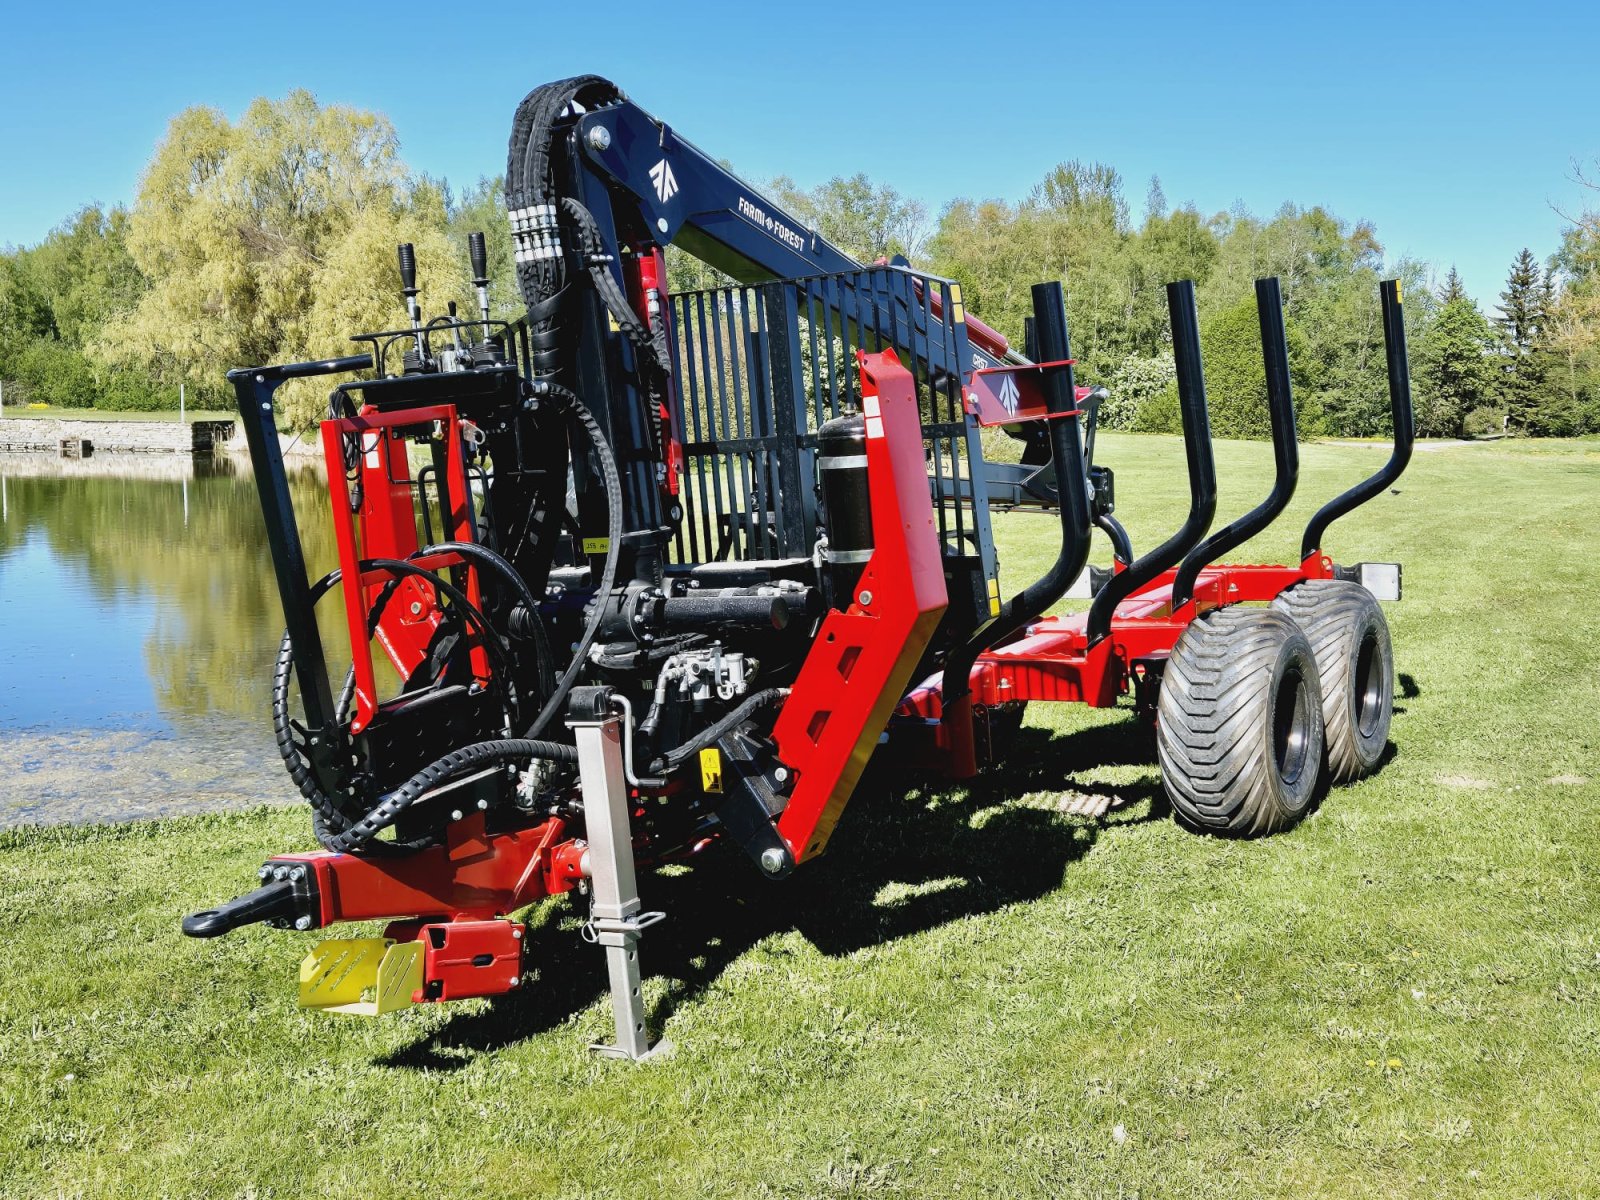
(615, 922)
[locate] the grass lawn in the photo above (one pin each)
(55, 413)
(973, 994)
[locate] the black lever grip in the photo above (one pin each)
(408, 268)
(479, 254)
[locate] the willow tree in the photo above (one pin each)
(271, 239)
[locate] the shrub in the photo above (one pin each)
(53, 373)
(1483, 422)
(1159, 413)
(127, 391)
(1135, 381)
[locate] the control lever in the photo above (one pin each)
(479, 253)
(408, 288)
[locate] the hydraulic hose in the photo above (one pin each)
(390, 808)
(329, 821)
(608, 573)
(486, 557)
(678, 755)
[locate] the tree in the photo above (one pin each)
(1452, 288)
(1236, 383)
(272, 239)
(1452, 369)
(867, 221)
(1522, 327)
(24, 311)
(84, 271)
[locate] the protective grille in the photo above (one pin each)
(760, 368)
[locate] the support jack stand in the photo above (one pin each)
(615, 922)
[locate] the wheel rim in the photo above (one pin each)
(1291, 725)
(1369, 685)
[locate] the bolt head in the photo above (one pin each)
(280, 873)
(772, 860)
(600, 137)
(661, 224)
(455, 814)
(865, 598)
(781, 774)
(264, 874)
(302, 923)
(297, 874)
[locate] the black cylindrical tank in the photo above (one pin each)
(846, 504)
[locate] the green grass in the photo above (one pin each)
(973, 994)
(56, 413)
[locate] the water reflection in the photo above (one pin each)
(139, 605)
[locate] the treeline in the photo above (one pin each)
(272, 238)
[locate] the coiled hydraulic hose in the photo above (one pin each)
(329, 821)
(360, 834)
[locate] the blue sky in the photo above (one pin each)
(1452, 127)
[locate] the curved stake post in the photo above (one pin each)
(1202, 469)
(1405, 430)
(1285, 449)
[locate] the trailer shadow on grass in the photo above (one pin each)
(905, 859)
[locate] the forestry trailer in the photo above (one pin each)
(653, 571)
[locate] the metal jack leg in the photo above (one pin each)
(615, 922)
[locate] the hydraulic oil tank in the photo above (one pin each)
(846, 504)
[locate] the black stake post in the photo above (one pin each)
(1285, 448)
(253, 388)
(1202, 470)
(1405, 428)
(1050, 329)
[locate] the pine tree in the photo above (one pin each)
(1452, 289)
(1522, 324)
(1454, 374)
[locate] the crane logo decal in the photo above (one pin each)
(666, 182)
(1008, 394)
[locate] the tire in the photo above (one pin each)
(1348, 633)
(1239, 723)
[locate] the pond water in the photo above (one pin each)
(138, 619)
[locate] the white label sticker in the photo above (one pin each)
(874, 427)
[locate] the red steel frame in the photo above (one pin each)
(453, 897)
(1052, 660)
(862, 658)
(388, 529)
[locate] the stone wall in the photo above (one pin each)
(116, 437)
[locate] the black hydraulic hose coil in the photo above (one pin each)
(329, 821)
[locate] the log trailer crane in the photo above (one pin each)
(651, 571)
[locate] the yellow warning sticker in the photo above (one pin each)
(711, 770)
(958, 312)
(596, 545)
(994, 597)
(1397, 297)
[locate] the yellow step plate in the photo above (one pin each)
(341, 973)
